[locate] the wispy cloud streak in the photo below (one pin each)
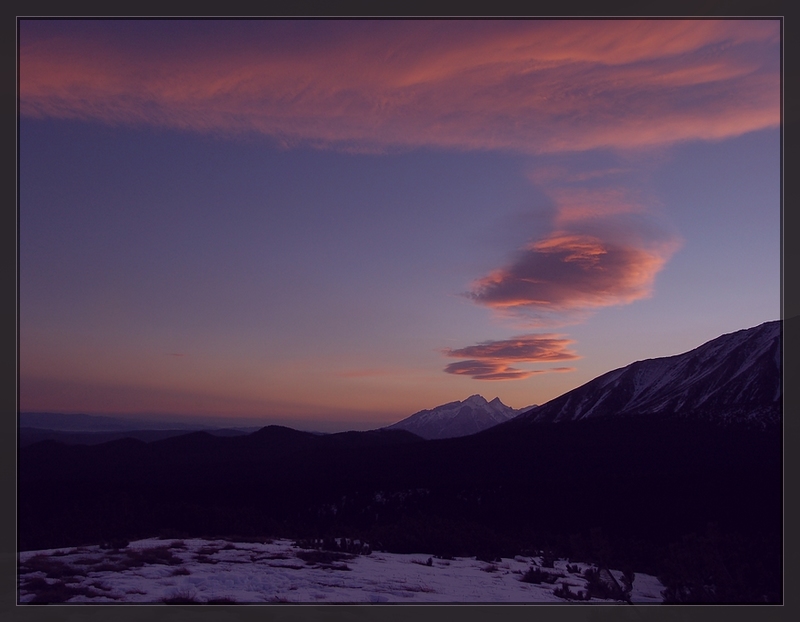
(528, 348)
(492, 360)
(528, 86)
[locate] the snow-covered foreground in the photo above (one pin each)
(219, 571)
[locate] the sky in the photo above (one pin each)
(335, 224)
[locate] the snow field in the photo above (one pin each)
(219, 571)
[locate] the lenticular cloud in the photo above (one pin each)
(488, 370)
(567, 272)
(529, 348)
(491, 360)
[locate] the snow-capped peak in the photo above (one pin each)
(453, 419)
(477, 399)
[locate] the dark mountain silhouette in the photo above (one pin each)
(98, 423)
(29, 436)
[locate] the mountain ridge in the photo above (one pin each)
(735, 377)
(458, 418)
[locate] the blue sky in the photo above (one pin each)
(334, 225)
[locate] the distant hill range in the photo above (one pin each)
(82, 429)
(456, 419)
(735, 378)
(98, 423)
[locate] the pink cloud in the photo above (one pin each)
(529, 86)
(527, 348)
(488, 370)
(581, 204)
(566, 272)
(605, 249)
(492, 360)
(554, 173)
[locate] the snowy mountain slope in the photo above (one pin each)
(456, 419)
(733, 378)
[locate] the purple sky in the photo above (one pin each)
(332, 225)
